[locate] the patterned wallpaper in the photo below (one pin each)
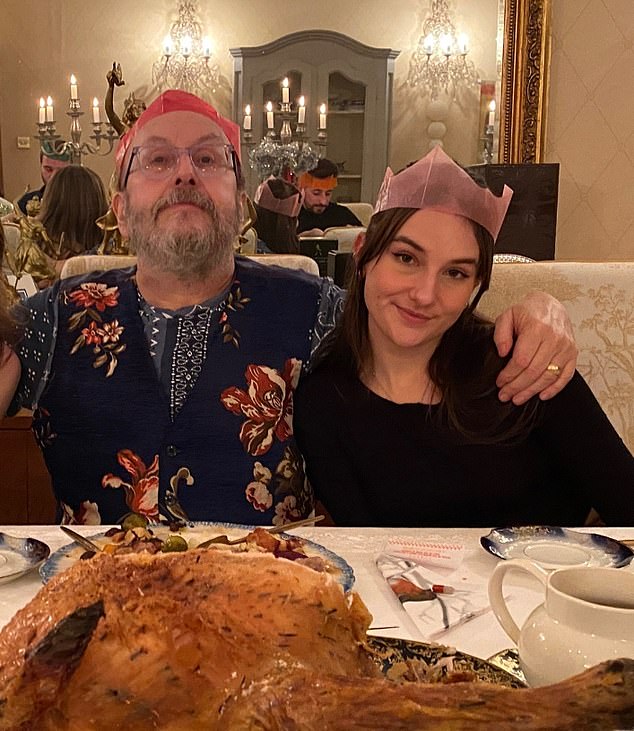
(590, 127)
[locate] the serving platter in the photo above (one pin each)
(395, 656)
(20, 555)
(553, 547)
(195, 533)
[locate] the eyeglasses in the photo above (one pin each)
(159, 161)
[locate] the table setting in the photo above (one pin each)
(470, 565)
(425, 605)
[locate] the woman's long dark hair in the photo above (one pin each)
(73, 200)
(465, 364)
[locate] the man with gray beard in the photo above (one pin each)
(166, 389)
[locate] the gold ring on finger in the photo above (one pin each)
(553, 368)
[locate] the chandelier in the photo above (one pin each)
(440, 63)
(52, 143)
(288, 152)
(186, 60)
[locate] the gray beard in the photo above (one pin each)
(189, 254)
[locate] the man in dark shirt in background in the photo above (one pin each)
(318, 212)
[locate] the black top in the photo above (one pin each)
(334, 215)
(374, 462)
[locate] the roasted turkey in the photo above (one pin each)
(221, 640)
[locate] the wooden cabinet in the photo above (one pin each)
(356, 82)
(26, 496)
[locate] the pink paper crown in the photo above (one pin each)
(290, 206)
(437, 182)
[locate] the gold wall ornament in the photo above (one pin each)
(524, 80)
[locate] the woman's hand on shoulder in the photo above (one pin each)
(539, 332)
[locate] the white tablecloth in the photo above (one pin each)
(482, 636)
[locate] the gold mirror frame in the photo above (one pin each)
(524, 80)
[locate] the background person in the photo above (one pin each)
(50, 163)
(74, 200)
(277, 204)
(319, 212)
(400, 423)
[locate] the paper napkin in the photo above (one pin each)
(425, 577)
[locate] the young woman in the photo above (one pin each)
(400, 422)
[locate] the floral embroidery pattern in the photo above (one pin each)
(103, 337)
(235, 301)
(141, 493)
(267, 405)
(42, 429)
(288, 484)
(86, 514)
(257, 492)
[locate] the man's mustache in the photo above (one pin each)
(184, 195)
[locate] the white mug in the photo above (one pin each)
(587, 617)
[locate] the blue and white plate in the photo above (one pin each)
(194, 534)
(19, 555)
(555, 548)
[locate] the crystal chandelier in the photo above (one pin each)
(440, 63)
(287, 153)
(186, 61)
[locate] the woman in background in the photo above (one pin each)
(71, 205)
(400, 422)
(277, 204)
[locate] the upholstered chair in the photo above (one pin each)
(599, 298)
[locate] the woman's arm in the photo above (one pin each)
(9, 377)
(544, 337)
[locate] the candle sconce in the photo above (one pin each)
(487, 144)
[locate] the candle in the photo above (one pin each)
(73, 87)
(42, 111)
(167, 45)
(301, 111)
(322, 116)
(428, 44)
(491, 112)
(49, 109)
(285, 91)
(269, 115)
(446, 44)
(206, 47)
(463, 44)
(247, 118)
(96, 117)
(186, 46)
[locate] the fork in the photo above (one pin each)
(225, 540)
